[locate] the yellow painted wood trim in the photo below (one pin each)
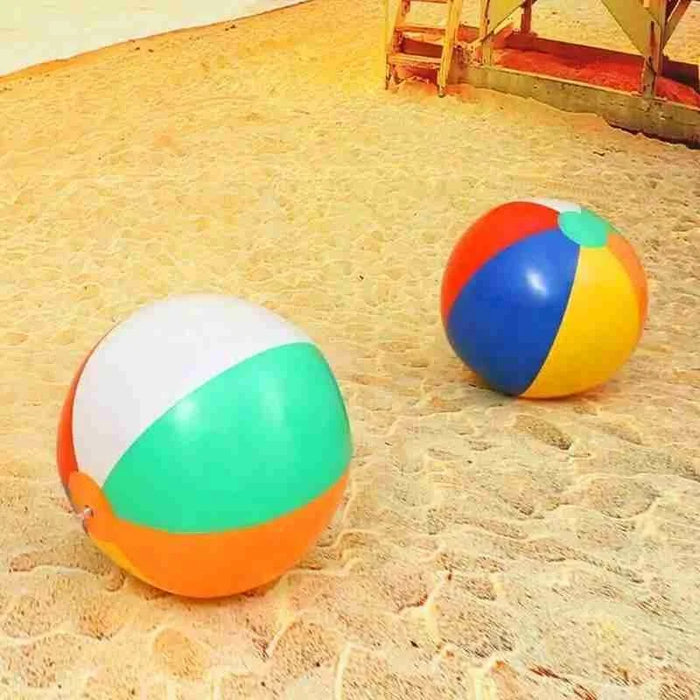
(634, 20)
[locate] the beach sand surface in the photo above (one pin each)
(486, 547)
(33, 32)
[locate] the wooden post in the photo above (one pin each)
(452, 27)
(526, 20)
(485, 41)
(654, 56)
(674, 17)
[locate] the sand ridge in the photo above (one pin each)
(486, 548)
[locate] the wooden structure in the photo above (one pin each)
(644, 92)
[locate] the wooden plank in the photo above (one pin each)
(416, 47)
(420, 29)
(404, 59)
(674, 18)
(634, 20)
(652, 116)
(484, 49)
(654, 58)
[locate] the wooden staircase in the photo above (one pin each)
(440, 43)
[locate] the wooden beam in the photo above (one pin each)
(652, 116)
(484, 49)
(675, 17)
(417, 47)
(428, 30)
(526, 20)
(654, 55)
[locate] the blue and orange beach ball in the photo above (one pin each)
(543, 298)
(205, 443)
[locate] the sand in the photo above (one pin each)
(486, 547)
(39, 31)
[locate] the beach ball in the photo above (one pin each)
(205, 443)
(543, 298)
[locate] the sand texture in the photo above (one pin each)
(486, 547)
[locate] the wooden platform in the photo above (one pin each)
(645, 92)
